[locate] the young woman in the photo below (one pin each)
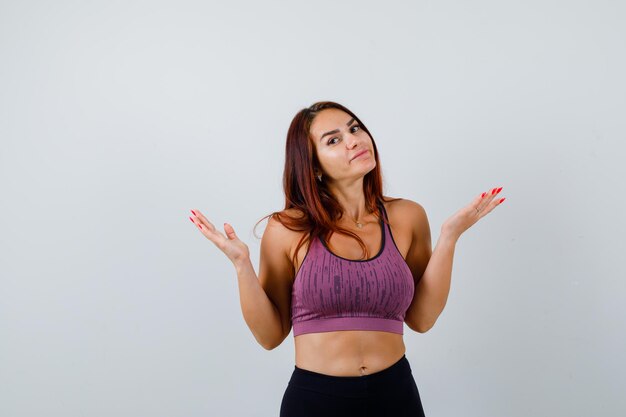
(345, 267)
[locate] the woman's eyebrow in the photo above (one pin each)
(336, 130)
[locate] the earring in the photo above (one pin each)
(319, 177)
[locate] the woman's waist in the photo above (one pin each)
(348, 352)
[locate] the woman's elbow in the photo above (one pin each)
(418, 328)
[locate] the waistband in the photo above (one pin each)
(385, 380)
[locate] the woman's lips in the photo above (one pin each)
(359, 154)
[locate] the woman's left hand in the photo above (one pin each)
(467, 216)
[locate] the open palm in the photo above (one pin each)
(230, 244)
(466, 217)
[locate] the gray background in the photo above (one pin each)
(118, 117)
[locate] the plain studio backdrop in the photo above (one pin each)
(118, 117)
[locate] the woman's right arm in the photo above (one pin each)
(260, 314)
(265, 299)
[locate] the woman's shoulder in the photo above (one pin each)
(288, 237)
(292, 213)
(402, 208)
(400, 203)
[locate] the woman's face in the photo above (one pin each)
(338, 138)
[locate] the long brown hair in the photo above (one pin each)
(302, 191)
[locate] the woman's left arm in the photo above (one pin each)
(431, 291)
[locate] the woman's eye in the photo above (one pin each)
(337, 138)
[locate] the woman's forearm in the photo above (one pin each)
(431, 292)
(259, 312)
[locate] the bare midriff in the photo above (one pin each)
(348, 352)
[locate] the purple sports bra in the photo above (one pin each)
(333, 293)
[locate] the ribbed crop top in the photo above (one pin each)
(332, 293)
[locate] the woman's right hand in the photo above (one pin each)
(231, 245)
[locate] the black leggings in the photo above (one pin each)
(390, 392)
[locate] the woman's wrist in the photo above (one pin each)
(241, 264)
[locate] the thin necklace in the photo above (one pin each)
(358, 224)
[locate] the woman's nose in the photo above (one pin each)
(352, 141)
